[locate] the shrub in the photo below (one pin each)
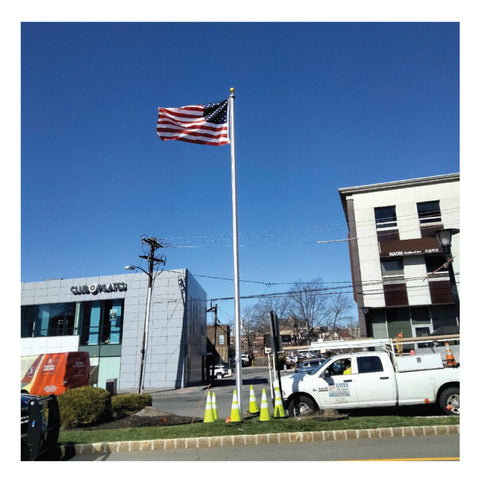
(83, 406)
(129, 403)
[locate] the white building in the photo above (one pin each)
(105, 317)
(399, 283)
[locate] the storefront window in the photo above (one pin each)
(98, 322)
(49, 320)
(101, 322)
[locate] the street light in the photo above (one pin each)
(444, 238)
(145, 324)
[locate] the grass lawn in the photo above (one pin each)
(250, 426)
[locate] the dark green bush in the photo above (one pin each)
(84, 406)
(129, 403)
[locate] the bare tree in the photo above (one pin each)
(307, 304)
(339, 311)
(258, 317)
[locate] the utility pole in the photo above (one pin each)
(212, 363)
(153, 261)
(276, 347)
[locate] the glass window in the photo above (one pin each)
(420, 314)
(112, 328)
(429, 212)
(101, 322)
(435, 264)
(48, 320)
(95, 316)
(369, 364)
(340, 367)
(28, 318)
(392, 267)
(386, 217)
(98, 322)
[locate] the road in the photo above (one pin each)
(441, 447)
(191, 401)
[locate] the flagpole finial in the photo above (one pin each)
(232, 90)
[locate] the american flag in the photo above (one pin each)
(207, 124)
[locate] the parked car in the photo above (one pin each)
(222, 370)
(307, 365)
(245, 359)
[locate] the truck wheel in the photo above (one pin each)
(449, 401)
(301, 406)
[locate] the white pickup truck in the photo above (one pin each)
(373, 379)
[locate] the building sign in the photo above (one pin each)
(408, 248)
(96, 288)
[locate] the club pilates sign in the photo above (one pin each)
(96, 288)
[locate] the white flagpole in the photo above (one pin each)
(238, 333)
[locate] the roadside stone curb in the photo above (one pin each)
(260, 439)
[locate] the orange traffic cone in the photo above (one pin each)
(450, 358)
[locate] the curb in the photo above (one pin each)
(260, 439)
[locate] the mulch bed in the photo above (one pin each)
(148, 417)
(151, 417)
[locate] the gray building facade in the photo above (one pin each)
(105, 316)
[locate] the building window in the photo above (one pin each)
(48, 320)
(392, 267)
(429, 217)
(438, 279)
(221, 339)
(385, 218)
(435, 265)
(429, 212)
(101, 322)
(386, 223)
(97, 322)
(394, 287)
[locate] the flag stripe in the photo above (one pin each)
(189, 124)
(176, 135)
(181, 114)
(168, 124)
(170, 134)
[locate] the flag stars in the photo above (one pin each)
(216, 112)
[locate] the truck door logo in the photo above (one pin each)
(341, 389)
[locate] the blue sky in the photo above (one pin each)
(318, 106)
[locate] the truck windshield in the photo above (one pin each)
(314, 370)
